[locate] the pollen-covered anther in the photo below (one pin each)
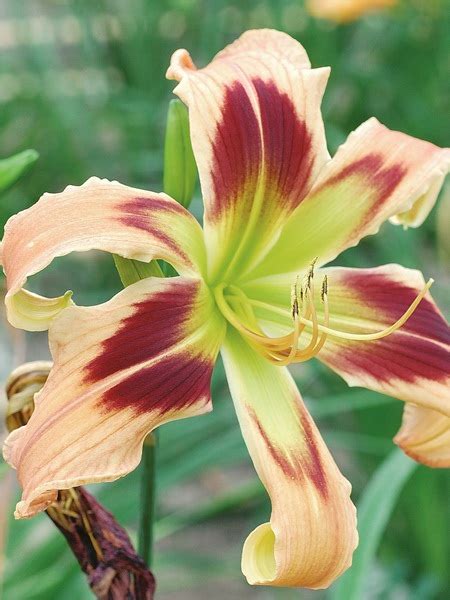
(324, 292)
(296, 302)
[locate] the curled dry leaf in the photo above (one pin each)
(101, 546)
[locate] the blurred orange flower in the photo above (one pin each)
(343, 11)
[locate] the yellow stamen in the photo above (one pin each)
(379, 334)
(297, 328)
(237, 296)
(309, 351)
(284, 350)
(326, 314)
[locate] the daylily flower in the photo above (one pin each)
(277, 209)
(343, 11)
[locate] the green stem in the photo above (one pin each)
(180, 175)
(148, 498)
(131, 271)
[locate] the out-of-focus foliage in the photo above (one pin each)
(83, 83)
(13, 167)
(374, 510)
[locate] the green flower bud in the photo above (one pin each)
(180, 171)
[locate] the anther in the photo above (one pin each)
(312, 266)
(310, 275)
(294, 298)
(324, 291)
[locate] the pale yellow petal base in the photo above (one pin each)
(258, 556)
(311, 535)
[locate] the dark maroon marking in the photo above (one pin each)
(295, 466)
(157, 204)
(237, 152)
(237, 149)
(398, 356)
(314, 466)
(174, 383)
(287, 144)
(289, 468)
(371, 166)
(137, 213)
(155, 325)
(392, 298)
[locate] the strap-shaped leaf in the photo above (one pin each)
(374, 510)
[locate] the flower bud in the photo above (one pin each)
(180, 171)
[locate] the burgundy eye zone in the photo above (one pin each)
(172, 384)
(174, 379)
(278, 142)
(419, 350)
(142, 213)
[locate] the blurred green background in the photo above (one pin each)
(82, 82)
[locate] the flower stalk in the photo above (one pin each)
(148, 498)
(180, 175)
(132, 271)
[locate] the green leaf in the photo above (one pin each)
(13, 167)
(180, 171)
(223, 503)
(374, 510)
(347, 401)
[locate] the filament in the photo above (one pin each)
(358, 336)
(284, 350)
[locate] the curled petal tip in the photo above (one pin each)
(100, 215)
(422, 201)
(311, 535)
(26, 509)
(180, 63)
(425, 436)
